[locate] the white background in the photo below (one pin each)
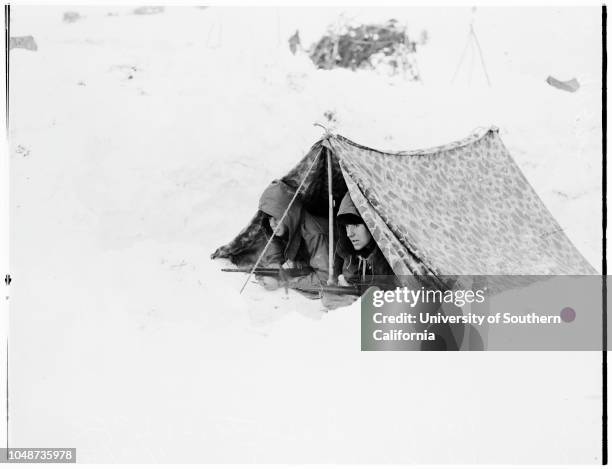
(126, 340)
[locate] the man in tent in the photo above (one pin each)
(363, 263)
(300, 238)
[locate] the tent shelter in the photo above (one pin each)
(460, 209)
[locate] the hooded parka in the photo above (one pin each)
(367, 266)
(305, 240)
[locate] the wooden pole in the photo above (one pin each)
(280, 221)
(330, 279)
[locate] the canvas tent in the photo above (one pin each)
(460, 209)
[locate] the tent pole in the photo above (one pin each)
(280, 221)
(330, 280)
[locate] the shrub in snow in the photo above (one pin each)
(385, 46)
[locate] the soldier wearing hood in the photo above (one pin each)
(301, 239)
(362, 261)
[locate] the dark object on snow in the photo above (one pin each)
(284, 275)
(272, 272)
(148, 10)
(570, 85)
(295, 42)
(23, 42)
(354, 46)
(71, 17)
(353, 290)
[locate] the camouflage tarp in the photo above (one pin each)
(459, 209)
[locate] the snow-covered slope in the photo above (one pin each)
(140, 143)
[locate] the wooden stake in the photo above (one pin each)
(330, 279)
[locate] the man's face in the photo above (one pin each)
(279, 230)
(359, 235)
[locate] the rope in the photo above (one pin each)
(467, 43)
(471, 43)
(328, 132)
(484, 67)
(280, 221)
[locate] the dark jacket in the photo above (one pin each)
(306, 240)
(367, 266)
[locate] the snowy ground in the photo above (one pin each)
(140, 143)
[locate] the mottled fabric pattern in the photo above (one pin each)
(460, 209)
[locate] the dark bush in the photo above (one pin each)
(365, 46)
